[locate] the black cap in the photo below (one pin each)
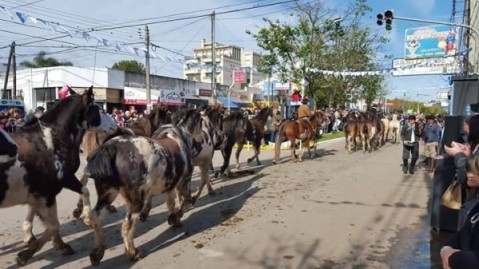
(430, 117)
(40, 108)
(411, 117)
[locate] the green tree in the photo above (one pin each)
(315, 41)
(130, 66)
(41, 60)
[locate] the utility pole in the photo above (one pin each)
(147, 70)
(213, 59)
(14, 66)
(4, 93)
(269, 90)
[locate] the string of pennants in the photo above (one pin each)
(352, 73)
(123, 47)
(85, 35)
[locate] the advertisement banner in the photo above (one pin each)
(431, 42)
(430, 66)
(172, 97)
(137, 96)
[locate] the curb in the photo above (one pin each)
(286, 146)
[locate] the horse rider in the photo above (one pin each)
(304, 112)
(432, 136)
(410, 135)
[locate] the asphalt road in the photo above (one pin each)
(337, 210)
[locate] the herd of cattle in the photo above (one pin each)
(154, 156)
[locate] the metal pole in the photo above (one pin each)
(4, 94)
(14, 69)
(213, 59)
(269, 89)
(229, 96)
(147, 70)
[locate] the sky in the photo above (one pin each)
(179, 38)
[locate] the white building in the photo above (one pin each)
(227, 58)
(39, 87)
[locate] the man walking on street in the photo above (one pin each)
(410, 135)
(432, 136)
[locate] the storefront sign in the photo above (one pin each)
(172, 97)
(205, 92)
(137, 96)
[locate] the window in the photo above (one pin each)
(45, 96)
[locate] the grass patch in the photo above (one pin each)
(331, 136)
(325, 137)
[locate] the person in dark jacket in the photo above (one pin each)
(410, 136)
(432, 136)
(462, 252)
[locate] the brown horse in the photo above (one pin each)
(351, 131)
(148, 125)
(302, 129)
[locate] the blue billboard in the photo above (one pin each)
(431, 42)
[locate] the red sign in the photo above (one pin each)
(138, 102)
(239, 76)
(204, 92)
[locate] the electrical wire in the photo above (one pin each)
(191, 17)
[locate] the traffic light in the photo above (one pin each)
(380, 19)
(388, 15)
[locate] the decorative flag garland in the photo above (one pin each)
(190, 64)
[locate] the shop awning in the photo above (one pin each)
(234, 103)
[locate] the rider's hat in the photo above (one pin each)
(411, 117)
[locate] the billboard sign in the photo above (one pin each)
(239, 76)
(431, 42)
(172, 97)
(429, 66)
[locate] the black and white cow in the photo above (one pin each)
(47, 159)
(139, 168)
(8, 147)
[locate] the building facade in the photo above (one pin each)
(112, 88)
(227, 58)
(472, 13)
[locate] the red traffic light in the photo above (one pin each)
(388, 14)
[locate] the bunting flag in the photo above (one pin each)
(6, 12)
(351, 73)
(121, 46)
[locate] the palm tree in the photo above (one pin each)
(41, 61)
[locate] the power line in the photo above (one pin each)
(192, 17)
(69, 17)
(185, 13)
(29, 4)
